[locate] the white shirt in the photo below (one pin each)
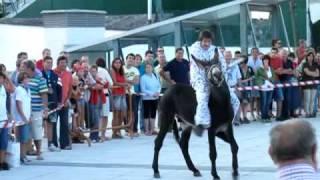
(130, 74)
(3, 106)
(23, 95)
(233, 75)
(299, 171)
(105, 77)
(254, 64)
(268, 86)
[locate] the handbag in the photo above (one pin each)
(13, 154)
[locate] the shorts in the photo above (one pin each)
(52, 118)
(278, 93)
(119, 103)
(36, 125)
(245, 96)
(106, 108)
(23, 135)
(81, 102)
(4, 137)
(150, 108)
(255, 94)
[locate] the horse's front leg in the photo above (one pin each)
(234, 150)
(184, 145)
(165, 124)
(213, 152)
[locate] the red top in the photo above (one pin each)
(119, 90)
(276, 63)
(39, 64)
(66, 80)
(96, 94)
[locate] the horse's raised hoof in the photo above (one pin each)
(197, 174)
(156, 175)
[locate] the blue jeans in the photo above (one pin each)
(64, 127)
(266, 99)
(4, 138)
(315, 109)
(291, 101)
(95, 115)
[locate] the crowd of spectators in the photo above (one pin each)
(85, 93)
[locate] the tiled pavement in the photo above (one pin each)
(129, 159)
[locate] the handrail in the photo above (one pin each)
(13, 6)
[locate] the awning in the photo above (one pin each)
(205, 17)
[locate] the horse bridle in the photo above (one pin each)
(209, 75)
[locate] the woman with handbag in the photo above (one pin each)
(5, 86)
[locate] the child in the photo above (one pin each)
(22, 114)
(5, 86)
(97, 99)
(75, 96)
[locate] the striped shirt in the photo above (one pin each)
(37, 85)
(299, 171)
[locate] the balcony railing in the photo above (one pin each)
(12, 6)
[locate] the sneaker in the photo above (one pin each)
(117, 136)
(52, 148)
(67, 148)
(32, 153)
(245, 121)
(25, 160)
(236, 124)
(280, 119)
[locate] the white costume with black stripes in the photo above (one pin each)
(200, 82)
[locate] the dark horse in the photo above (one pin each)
(180, 101)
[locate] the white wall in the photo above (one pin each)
(57, 39)
(14, 39)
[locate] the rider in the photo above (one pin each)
(204, 51)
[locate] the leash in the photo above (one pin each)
(125, 126)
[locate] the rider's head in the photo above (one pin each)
(205, 39)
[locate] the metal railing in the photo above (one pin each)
(12, 6)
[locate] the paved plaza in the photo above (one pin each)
(129, 159)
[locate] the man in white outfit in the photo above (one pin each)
(204, 51)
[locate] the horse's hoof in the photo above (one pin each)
(216, 177)
(156, 175)
(197, 174)
(235, 174)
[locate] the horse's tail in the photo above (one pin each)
(175, 131)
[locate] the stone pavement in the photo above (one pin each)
(131, 159)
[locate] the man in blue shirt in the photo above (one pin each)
(54, 99)
(178, 68)
(148, 59)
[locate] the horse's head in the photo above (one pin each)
(215, 75)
